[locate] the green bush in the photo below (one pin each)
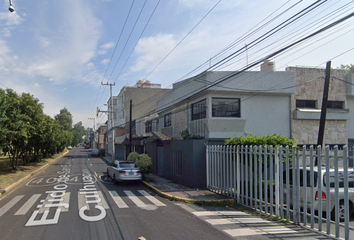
(274, 140)
(133, 156)
(144, 162)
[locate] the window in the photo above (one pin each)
(148, 126)
(199, 110)
(335, 104)
(226, 107)
(306, 103)
(167, 120)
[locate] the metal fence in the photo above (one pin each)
(310, 186)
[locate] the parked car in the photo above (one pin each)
(325, 195)
(70, 147)
(95, 152)
(87, 147)
(123, 170)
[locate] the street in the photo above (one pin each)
(72, 199)
(68, 201)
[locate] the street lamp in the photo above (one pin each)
(11, 8)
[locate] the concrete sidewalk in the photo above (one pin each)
(174, 191)
(169, 189)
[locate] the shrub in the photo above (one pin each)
(274, 140)
(133, 156)
(144, 163)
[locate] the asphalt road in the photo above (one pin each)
(69, 201)
(72, 199)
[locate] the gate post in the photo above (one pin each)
(277, 177)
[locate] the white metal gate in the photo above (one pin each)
(309, 185)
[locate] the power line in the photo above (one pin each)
(118, 40)
(182, 40)
(137, 19)
(195, 93)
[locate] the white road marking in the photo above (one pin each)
(135, 199)
(118, 200)
(219, 213)
(235, 220)
(10, 204)
(95, 173)
(241, 232)
(151, 198)
(24, 209)
(103, 202)
(66, 199)
(82, 200)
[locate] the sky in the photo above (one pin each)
(61, 51)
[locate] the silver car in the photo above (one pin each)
(315, 198)
(123, 171)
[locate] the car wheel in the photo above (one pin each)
(341, 211)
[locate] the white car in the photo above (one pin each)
(70, 147)
(325, 195)
(123, 170)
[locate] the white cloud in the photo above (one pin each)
(151, 50)
(105, 61)
(107, 45)
(11, 18)
(75, 36)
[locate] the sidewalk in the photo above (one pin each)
(168, 189)
(174, 191)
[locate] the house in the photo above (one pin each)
(101, 140)
(142, 96)
(306, 104)
(214, 106)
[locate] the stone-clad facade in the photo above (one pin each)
(309, 85)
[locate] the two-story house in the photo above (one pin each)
(142, 96)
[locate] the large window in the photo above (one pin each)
(306, 103)
(226, 107)
(199, 110)
(148, 127)
(167, 120)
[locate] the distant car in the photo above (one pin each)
(95, 152)
(123, 171)
(70, 147)
(87, 147)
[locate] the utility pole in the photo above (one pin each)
(112, 122)
(94, 124)
(324, 106)
(130, 125)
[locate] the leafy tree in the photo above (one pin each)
(349, 68)
(78, 133)
(16, 124)
(65, 119)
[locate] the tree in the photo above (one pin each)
(16, 124)
(78, 133)
(65, 119)
(349, 68)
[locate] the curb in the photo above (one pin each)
(187, 200)
(19, 183)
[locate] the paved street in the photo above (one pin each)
(72, 200)
(80, 206)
